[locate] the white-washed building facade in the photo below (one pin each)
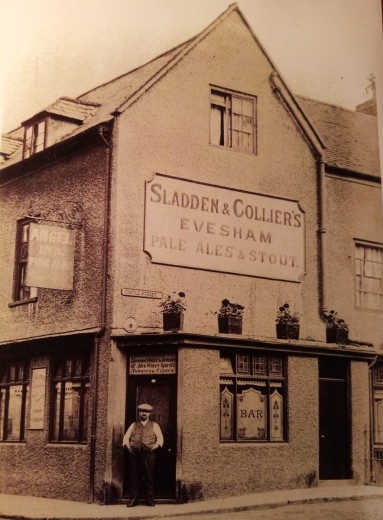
(199, 172)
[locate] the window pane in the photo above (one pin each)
(12, 372)
(71, 398)
(22, 291)
(225, 366)
(369, 277)
(40, 136)
(218, 98)
(378, 374)
(243, 365)
(56, 411)
(71, 411)
(68, 367)
(13, 426)
(259, 365)
(251, 414)
(77, 366)
(378, 427)
(84, 432)
(237, 122)
(276, 366)
(247, 125)
(217, 125)
(371, 285)
(237, 105)
(370, 301)
(3, 394)
(28, 142)
(247, 108)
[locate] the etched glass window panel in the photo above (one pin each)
(276, 415)
(251, 415)
(227, 413)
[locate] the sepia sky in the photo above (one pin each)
(324, 49)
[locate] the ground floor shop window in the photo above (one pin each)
(252, 397)
(70, 396)
(14, 393)
(378, 404)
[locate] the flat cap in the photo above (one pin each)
(145, 407)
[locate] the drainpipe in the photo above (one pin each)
(371, 396)
(280, 89)
(103, 132)
(322, 231)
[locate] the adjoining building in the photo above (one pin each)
(199, 172)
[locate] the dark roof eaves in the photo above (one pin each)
(52, 153)
(344, 172)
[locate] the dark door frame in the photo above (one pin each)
(165, 471)
(335, 439)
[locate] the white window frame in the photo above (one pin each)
(368, 272)
(34, 138)
(224, 125)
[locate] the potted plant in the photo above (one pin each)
(230, 318)
(173, 307)
(287, 324)
(336, 328)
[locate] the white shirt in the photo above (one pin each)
(156, 430)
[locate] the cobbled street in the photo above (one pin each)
(369, 509)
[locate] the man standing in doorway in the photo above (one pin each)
(142, 438)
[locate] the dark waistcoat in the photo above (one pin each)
(142, 436)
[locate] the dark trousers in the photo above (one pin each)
(142, 467)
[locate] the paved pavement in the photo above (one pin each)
(34, 508)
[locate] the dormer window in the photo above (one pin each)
(34, 138)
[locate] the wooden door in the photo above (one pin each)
(160, 392)
(334, 421)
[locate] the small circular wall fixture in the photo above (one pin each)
(130, 325)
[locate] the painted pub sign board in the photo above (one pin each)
(209, 227)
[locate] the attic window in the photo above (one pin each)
(34, 138)
(233, 120)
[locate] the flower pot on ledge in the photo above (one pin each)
(287, 330)
(230, 324)
(337, 335)
(173, 322)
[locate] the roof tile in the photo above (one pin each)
(351, 138)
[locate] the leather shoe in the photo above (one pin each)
(150, 502)
(132, 503)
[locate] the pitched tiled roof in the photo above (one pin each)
(69, 108)
(9, 145)
(351, 138)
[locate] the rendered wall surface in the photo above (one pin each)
(360, 402)
(357, 207)
(79, 179)
(39, 468)
(36, 466)
(167, 131)
(236, 468)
